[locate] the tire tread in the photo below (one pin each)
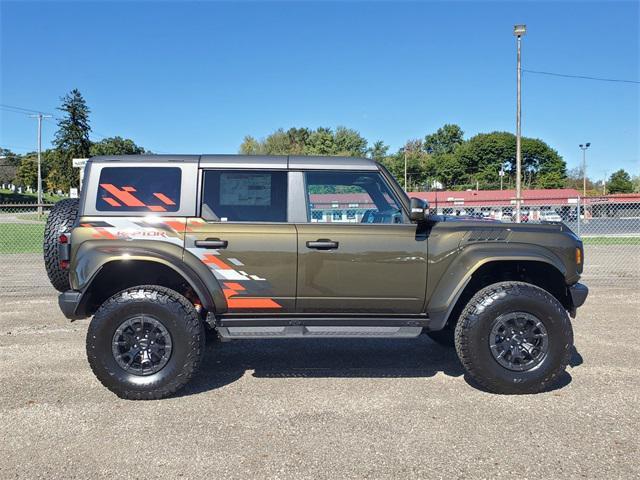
(470, 317)
(181, 307)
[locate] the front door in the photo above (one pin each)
(358, 253)
(243, 236)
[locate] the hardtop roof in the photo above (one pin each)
(292, 162)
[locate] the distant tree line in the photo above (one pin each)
(442, 158)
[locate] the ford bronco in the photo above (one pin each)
(160, 249)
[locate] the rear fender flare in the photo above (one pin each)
(91, 257)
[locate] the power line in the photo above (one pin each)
(15, 109)
(583, 77)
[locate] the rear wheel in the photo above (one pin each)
(61, 219)
(145, 342)
(514, 337)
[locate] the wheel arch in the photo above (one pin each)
(106, 271)
(470, 273)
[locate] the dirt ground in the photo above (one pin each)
(318, 409)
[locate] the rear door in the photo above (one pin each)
(358, 252)
(243, 236)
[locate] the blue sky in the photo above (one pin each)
(185, 77)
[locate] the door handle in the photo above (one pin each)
(323, 244)
(211, 243)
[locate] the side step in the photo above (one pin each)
(299, 331)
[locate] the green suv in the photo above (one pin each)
(161, 248)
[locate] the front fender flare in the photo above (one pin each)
(468, 261)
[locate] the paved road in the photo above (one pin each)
(318, 409)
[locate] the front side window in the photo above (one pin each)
(350, 197)
(139, 189)
(244, 196)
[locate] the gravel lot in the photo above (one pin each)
(318, 409)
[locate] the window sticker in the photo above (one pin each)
(246, 189)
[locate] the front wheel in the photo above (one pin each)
(514, 337)
(145, 342)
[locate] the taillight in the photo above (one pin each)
(64, 248)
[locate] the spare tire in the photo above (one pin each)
(61, 219)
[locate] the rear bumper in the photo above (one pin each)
(69, 302)
(579, 293)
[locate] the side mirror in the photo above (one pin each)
(419, 210)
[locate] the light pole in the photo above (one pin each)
(501, 174)
(518, 31)
(584, 167)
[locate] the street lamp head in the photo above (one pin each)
(519, 30)
(581, 146)
(588, 144)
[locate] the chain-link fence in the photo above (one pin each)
(21, 263)
(609, 227)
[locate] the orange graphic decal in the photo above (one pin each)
(128, 189)
(164, 199)
(111, 201)
(156, 208)
(123, 195)
(234, 302)
(104, 234)
(178, 226)
(210, 259)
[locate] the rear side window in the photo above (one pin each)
(244, 196)
(139, 189)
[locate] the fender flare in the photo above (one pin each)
(92, 257)
(470, 260)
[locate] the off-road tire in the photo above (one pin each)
(474, 328)
(175, 313)
(61, 218)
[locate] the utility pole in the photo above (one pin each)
(518, 31)
(501, 174)
(584, 167)
(40, 116)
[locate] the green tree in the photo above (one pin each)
(636, 183)
(303, 141)
(349, 143)
(277, 143)
(9, 162)
(115, 146)
(445, 140)
(620, 182)
(378, 151)
(27, 173)
(298, 138)
(71, 140)
(321, 142)
(448, 170)
(251, 146)
(485, 154)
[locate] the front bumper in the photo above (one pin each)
(579, 294)
(69, 302)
